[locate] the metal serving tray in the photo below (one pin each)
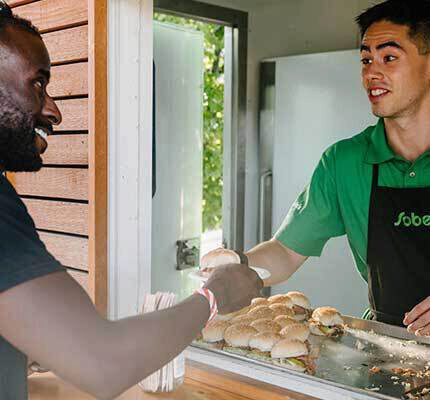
(345, 362)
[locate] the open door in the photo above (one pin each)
(177, 204)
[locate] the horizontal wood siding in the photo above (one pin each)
(67, 150)
(50, 15)
(69, 250)
(59, 216)
(75, 115)
(15, 3)
(57, 196)
(68, 45)
(60, 183)
(69, 80)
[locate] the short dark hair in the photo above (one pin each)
(8, 18)
(414, 14)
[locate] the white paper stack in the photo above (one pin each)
(164, 379)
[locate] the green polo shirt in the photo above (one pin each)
(336, 202)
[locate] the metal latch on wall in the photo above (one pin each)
(187, 253)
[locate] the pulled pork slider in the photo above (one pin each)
(285, 320)
(326, 321)
(259, 301)
(262, 344)
(281, 298)
(266, 325)
(217, 258)
(237, 338)
(297, 331)
(301, 305)
(261, 312)
(282, 309)
(292, 354)
(300, 332)
(213, 333)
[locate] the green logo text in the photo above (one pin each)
(412, 219)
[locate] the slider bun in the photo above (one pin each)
(299, 317)
(244, 310)
(243, 319)
(239, 335)
(281, 298)
(218, 257)
(235, 314)
(259, 301)
(299, 299)
(261, 312)
(281, 309)
(296, 332)
(327, 316)
(264, 341)
(214, 332)
(266, 325)
(289, 348)
(285, 320)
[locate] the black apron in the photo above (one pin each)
(398, 250)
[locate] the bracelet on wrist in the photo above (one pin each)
(212, 302)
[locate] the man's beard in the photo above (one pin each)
(18, 151)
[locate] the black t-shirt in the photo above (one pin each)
(23, 257)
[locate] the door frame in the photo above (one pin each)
(130, 88)
(130, 155)
(97, 155)
(236, 105)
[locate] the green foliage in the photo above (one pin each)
(213, 119)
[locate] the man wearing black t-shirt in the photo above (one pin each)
(44, 314)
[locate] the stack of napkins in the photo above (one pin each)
(162, 380)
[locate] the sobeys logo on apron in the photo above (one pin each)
(412, 219)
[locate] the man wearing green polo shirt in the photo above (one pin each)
(375, 186)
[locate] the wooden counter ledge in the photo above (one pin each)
(201, 383)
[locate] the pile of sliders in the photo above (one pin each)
(274, 330)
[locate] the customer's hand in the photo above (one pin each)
(234, 286)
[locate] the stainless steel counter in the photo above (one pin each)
(343, 366)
